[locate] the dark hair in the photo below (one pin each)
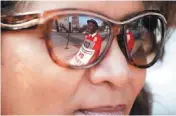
(143, 103)
(7, 6)
(92, 21)
(168, 8)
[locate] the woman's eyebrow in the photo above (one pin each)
(95, 7)
(131, 15)
(37, 13)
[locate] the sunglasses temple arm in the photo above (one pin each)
(24, 25)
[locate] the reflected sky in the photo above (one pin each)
(83, 20)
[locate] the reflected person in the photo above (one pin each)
(91, 46)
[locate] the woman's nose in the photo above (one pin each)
(112, 69)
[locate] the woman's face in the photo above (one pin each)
(33, 84)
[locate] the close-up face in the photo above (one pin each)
(33, 84)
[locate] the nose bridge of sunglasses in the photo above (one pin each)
(116, 29)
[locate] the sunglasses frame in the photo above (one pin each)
(36, 19)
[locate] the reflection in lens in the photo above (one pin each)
(144, 38)
(78, 39)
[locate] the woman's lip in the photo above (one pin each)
(103, 110)
(106, 108)
(98, 113)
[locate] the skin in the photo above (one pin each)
(33, 84)
(91, 28)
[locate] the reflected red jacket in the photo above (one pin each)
(93, 42)
(130, 40)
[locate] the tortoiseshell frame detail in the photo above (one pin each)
(30, 19)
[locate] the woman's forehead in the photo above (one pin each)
(113, 9)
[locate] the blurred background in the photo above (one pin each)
(161, 79)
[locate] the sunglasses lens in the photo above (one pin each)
(143, 38)
(78, 40)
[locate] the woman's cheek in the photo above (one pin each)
(30, 72)
(138, 79)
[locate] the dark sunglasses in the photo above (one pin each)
(80, 39)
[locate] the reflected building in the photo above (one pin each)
(62, 24)
(75, 23)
